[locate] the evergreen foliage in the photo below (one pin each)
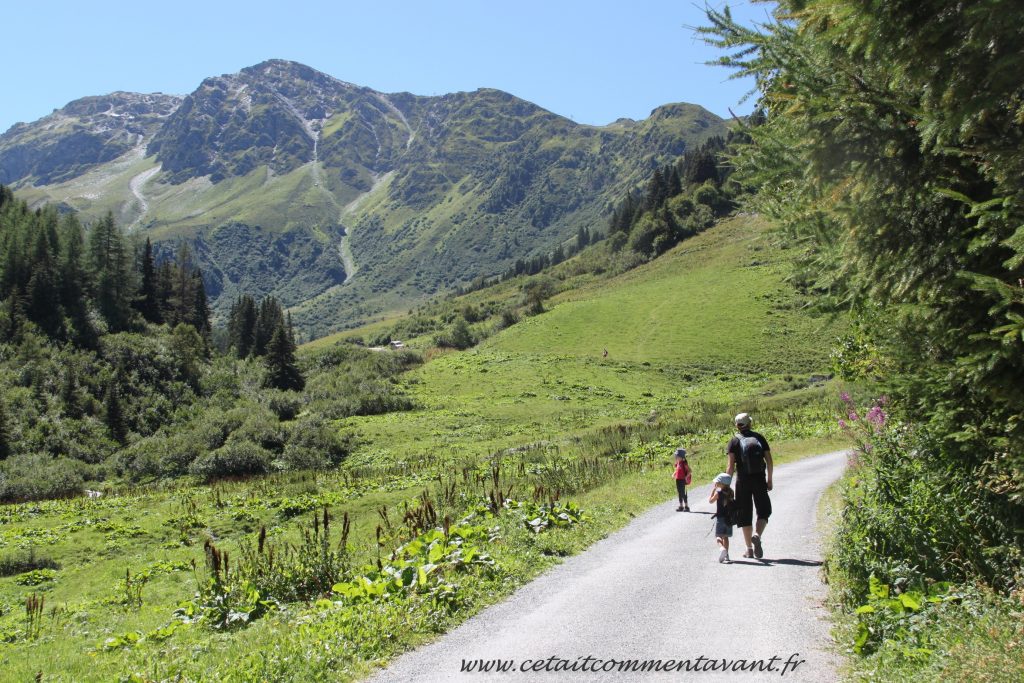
(892, 153)
(53, 273)
(282, 370)
(680, 200)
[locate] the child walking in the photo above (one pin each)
(723, 495)
(683, 476)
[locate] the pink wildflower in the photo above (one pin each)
(876, 416)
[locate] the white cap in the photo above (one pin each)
(723, 479)
(743, 420)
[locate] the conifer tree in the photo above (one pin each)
(200, 318)
(73, 282)
(242, 326)
(282, 369)
(148, 301)
(113, 415)
(108, 259)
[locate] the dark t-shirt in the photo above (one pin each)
(734, 445)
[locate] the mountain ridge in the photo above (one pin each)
(289, 181)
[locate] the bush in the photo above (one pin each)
(262, 429)
(313, 444)
(908, 518)
(36, 476)
(233, 459)
(509, 317)
(285, 404)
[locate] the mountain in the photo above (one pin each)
(342, 201)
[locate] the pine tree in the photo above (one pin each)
(675, 183)
(242, 326)
(200, 318)
(43, 307)
(108, 260)
(657, 190)
(268, 318)
(113, 415)
(282, 369)
(70, 404)
(73, 282)
(165, 289)
(148, 301)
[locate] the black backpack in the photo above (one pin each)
(751, 460)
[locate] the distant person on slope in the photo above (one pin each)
(683, 476)
(750, 459)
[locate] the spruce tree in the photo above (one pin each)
(148, 301)
(242, 326)
(108, 259)
(73, 282)
(200, 318)
(113, 415)
(282, 369)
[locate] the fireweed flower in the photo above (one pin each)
(876, 416)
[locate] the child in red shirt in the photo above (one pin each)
(683, 476)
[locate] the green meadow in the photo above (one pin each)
(518, 452)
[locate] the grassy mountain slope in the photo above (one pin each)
(711, 319)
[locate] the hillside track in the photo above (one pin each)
(655, 591)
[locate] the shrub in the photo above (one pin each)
(285, 404)
(909, 518)
(36, 476)
(233, 459)
(262, 429)
(313, 444)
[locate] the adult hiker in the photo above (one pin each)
(750, 459)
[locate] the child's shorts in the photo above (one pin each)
(723, 528)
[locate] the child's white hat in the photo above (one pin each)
(723, 479)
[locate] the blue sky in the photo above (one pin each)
(593, 61)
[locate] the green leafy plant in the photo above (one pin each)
(900, 620)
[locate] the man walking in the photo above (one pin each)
(751, 459)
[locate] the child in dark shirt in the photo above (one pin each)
(723, 495)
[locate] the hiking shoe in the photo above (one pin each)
(758, 550)
(680, 509)
(686, 508)
(748, 553)
(723, 556)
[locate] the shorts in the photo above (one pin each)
(723, 528)
(752, 492)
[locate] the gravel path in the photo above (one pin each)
(655, 591)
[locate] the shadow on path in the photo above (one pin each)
(794, 563)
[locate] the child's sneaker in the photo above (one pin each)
(749, 553)
(758, 551)
(723, 556)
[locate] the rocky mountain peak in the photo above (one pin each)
(82, 134)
